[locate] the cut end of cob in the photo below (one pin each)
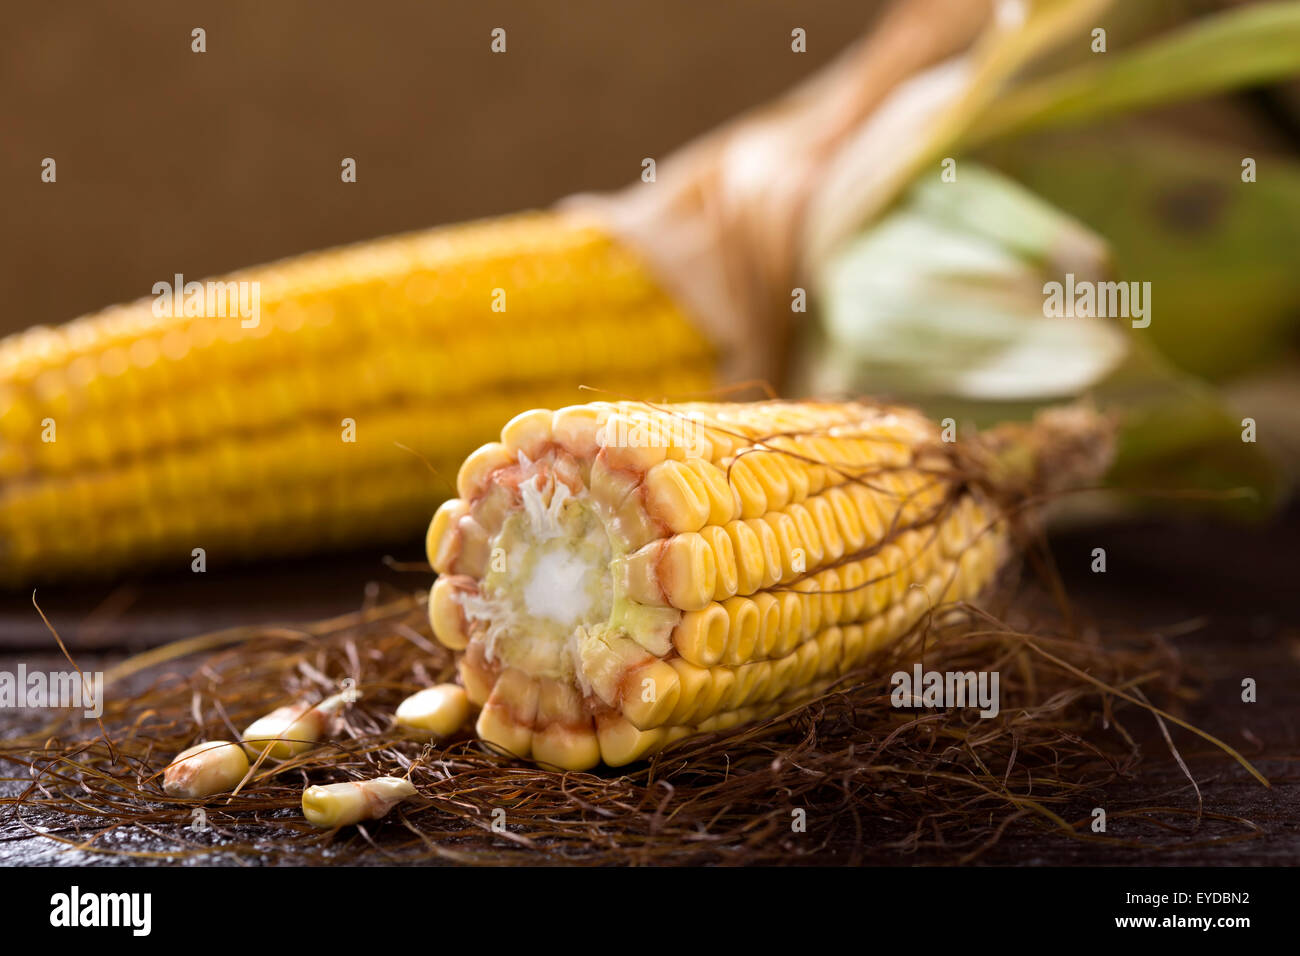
(619, 575)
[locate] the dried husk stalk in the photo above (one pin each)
(722, 224)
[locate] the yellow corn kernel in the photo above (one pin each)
(216, 766)
(441, 710)
(293, 729)
(343, 804)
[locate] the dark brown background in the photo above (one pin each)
(171, 161)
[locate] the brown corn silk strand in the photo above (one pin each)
(941, 785)
(871, 779)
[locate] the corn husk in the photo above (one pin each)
(939, 299)
(944, 296)
(1253, 45)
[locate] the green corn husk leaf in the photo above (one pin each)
(940, 300)
(1180, 441)
(1256, 44)
(929, 114)
(941, 303)
(944, 294)
(998, 89)
(1221, 255)
(994, 90)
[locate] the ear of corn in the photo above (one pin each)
(618, 576)
(193, 431)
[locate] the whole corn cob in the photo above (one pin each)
(127, 437)
(618, 576)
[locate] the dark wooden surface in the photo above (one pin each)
(1230, 592)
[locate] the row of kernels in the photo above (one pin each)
(690, 495)
(705, 692)
(82, 533)
(768, 624)
(275, 392)
(745, 556)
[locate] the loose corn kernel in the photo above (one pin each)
(216, 766)
(440, 710)
(293, 729)
(342, 804)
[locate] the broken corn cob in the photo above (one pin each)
(127, 437)
(617, 576)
